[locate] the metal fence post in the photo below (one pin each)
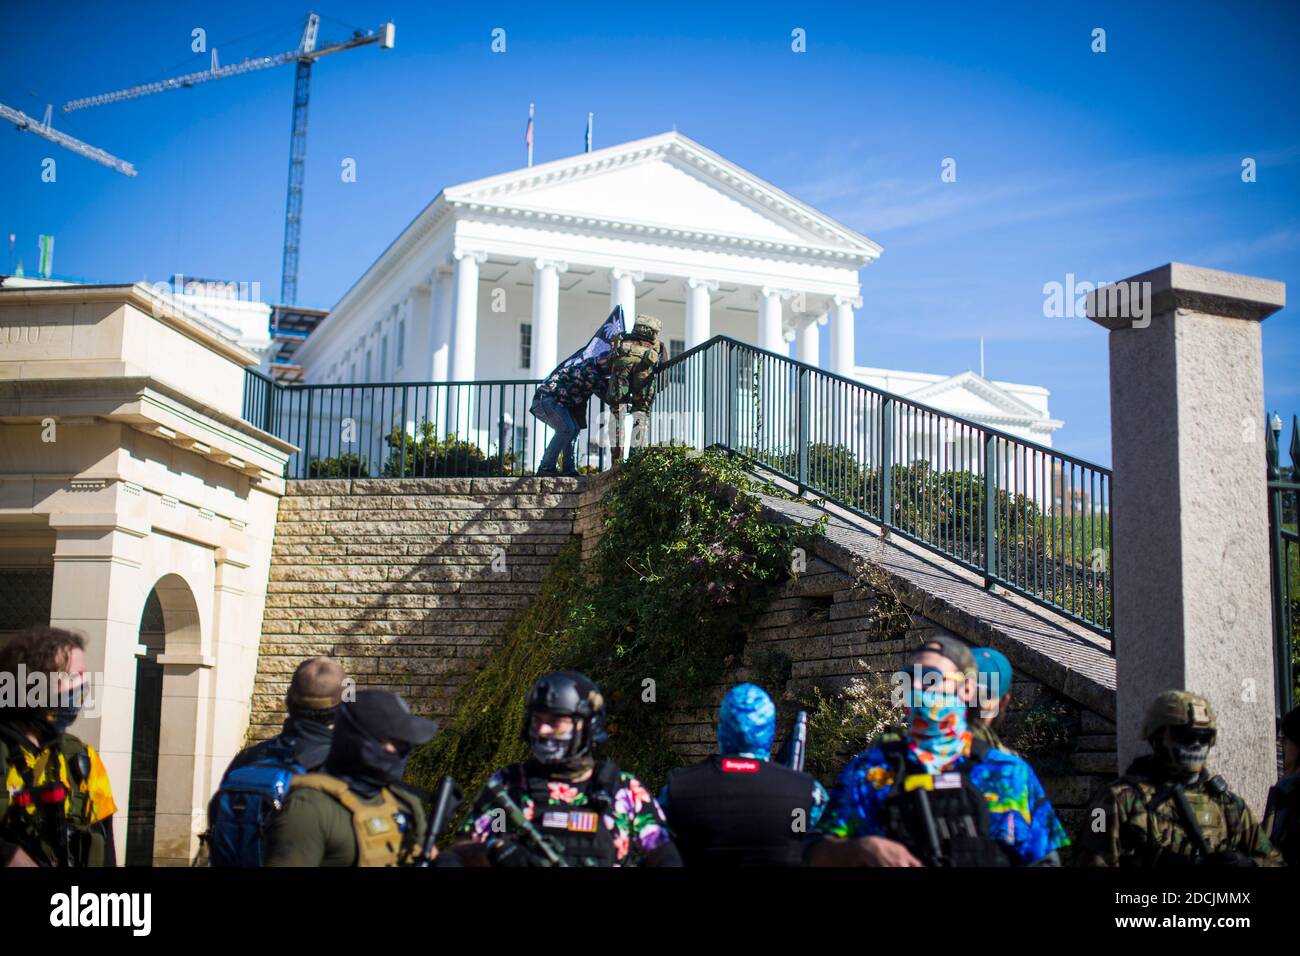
(990, 525)
(733, 383)
(703, 387)
(304, 463)
(886, 462)
(803, 410)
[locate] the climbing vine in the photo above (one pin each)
(687, 560)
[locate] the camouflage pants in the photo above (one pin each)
(619, 430)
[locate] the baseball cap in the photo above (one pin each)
(994, 670)
(953, 648)
(385, 716)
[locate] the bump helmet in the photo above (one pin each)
(1178, 708)
(575, 695)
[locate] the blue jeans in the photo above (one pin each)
(551, 412)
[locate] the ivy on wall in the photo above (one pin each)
(656, 616)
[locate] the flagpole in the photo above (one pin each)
(530, 134)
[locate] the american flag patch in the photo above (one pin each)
(580, 822)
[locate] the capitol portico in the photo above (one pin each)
(501, 277)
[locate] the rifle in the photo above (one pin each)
(547, 853)
(927, 825)
(445, 801)
(796, 745)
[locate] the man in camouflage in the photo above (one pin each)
(637, 355)
(1167, 810)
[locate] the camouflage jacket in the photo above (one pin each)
(631, 374)
(1123, 828)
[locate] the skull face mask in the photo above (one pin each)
(1184, 750)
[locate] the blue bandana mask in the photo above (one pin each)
(747, 722)
(936, 723)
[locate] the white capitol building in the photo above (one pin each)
(501, 277)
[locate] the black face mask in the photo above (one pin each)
(47, 723)
(356, 754)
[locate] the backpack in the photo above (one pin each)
(632, 371)
(243, 805)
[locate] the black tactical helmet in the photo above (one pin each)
(574, 694)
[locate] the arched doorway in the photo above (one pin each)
(144, 736)
(167, 723)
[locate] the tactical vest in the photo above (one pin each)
(632, 369)
(59, 832)
(578, 833)
(379, 840)
(739, 811)
(958, 818)
(1167, 840)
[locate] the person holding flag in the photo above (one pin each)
(561, 400)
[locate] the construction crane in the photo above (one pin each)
(22, 121)
(305, 55)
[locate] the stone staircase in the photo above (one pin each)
(407, 583)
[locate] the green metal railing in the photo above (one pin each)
(413, 429)
(1028, 518)
(1284, 554)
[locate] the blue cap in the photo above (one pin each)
(994, 672)
(747, 721)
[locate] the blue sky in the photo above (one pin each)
(1100, 165)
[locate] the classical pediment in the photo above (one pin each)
(972, 396)
(667, 182)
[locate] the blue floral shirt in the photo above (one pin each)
(1020, 815)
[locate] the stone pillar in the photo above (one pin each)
(440, 335)
(98, 593)
(622, 291)
(697, 310)
(808, 340)
(546, 315)
(841, 352)
(1191, 562)
(464, 341)
(770, 333)
(464, 336)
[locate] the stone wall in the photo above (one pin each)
(395, 578)
(406, 582)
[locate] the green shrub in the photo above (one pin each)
(842, 724)
(348, 465)
(424, 454)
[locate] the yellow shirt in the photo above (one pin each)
(49, 765)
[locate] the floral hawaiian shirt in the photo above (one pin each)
(1020, 815)
(634, 818)
(572, 385)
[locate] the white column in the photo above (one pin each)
(443, 286)
(770, 334)
(622, 291)
(546, 315)
(697, 310)
(464, 334)
(842, 360)
(809, 340)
